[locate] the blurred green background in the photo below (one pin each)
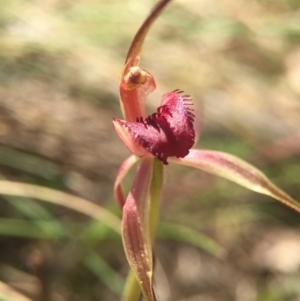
(60, 62)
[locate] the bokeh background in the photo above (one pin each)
(60, 62)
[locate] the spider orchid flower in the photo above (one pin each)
(167, 135)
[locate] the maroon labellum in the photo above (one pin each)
(169, 132)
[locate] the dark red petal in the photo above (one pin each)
(168, 132)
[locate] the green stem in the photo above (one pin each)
(155, 192)
(132, 290)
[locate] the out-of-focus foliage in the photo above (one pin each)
(59, 67)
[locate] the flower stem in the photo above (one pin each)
(132, 290)
(155, 192)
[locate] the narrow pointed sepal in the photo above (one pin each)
(238, 171)
(135, 83)
(123, 170)
(135, 229)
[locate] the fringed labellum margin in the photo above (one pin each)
(166, 133)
